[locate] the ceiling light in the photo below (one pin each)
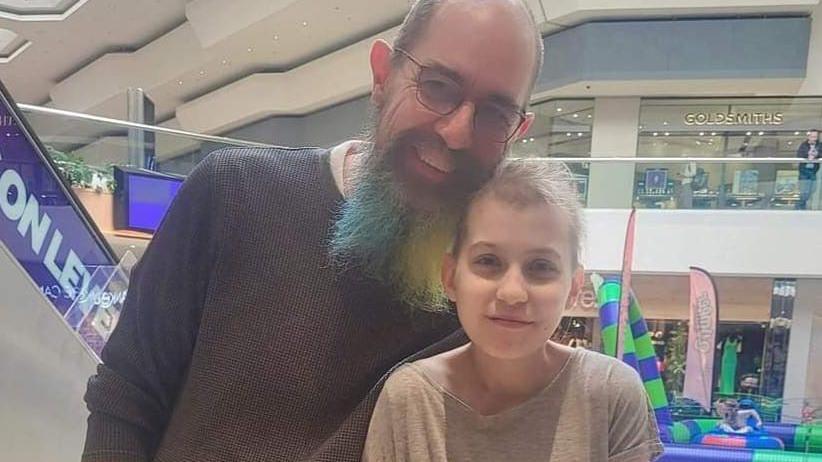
(698, 142)
(531, 140)
(202, 72)
(224, 62)
(524, 141)
(559, 109)
(796, 133)
(713, 133)
(567, 134)
(305, 23)
(579, 134)
(250, 50)
(655, 133)
(667, 133)
(576, 115)
(701, 133)
(790, 143)
(761, 133)
(665, 123)
(276, 37)
(179, 82)
(748, 133)
(589, 116)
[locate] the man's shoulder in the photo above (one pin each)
(262, 163)
(249, 182)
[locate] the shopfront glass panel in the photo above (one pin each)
(741, 128)
(561, 128)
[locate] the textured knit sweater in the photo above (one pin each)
(238, 341)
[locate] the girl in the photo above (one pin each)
(511, 394)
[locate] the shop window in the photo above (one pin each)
(739, 128)
(561, 128)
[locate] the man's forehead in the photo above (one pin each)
(489, 43)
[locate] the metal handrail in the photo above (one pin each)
(152, 128)
(680, 160)
(218, 139)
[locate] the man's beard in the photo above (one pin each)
(380, 233)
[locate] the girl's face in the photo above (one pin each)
(512, 277)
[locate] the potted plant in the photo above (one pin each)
(93, 185)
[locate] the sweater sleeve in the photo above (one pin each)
(146, 359)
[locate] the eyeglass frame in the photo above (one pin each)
(520, 113)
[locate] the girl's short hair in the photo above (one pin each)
(524, 182)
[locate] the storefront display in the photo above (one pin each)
(732, 128)
(743, 364)
(561, 128)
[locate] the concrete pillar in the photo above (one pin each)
(615, 134)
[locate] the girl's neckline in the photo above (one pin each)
(447, 394)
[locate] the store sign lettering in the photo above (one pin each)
(17, 206)
(734, 118)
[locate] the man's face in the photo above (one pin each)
(813, 136)
(489, 52)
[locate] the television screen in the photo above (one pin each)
(149, 199)
(143, 198)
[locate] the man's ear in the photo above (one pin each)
(449, 268)
(525, 126)
(380, 70)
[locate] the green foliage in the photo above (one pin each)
(80, 174)
(675, 355)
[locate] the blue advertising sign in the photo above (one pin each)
(41, 222)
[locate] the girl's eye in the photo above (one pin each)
(542, 268)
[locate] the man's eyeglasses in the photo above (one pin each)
(439, 93)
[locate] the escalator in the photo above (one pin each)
(61, 288)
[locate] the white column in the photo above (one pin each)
(803, 375)
(615, 134)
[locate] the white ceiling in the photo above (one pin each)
(211, 65)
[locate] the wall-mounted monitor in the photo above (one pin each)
(142, 198)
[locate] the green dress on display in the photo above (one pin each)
(727, 378)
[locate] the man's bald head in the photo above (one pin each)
(424, 11)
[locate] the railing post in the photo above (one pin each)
(140, 109)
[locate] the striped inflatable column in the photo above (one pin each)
(608, 301)
(639, 350)
(648, 368)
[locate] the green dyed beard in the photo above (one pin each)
(379, 234)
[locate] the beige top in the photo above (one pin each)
(596, 410)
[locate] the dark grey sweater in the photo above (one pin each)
(238, 341)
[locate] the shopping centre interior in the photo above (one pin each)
(689, 111)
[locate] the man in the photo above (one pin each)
(284, 285)
(809, 149)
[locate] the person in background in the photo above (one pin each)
(284, 284)
(511, 393)
(809, 149)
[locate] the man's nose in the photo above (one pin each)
(457, 128)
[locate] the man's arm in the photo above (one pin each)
(145, 360)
